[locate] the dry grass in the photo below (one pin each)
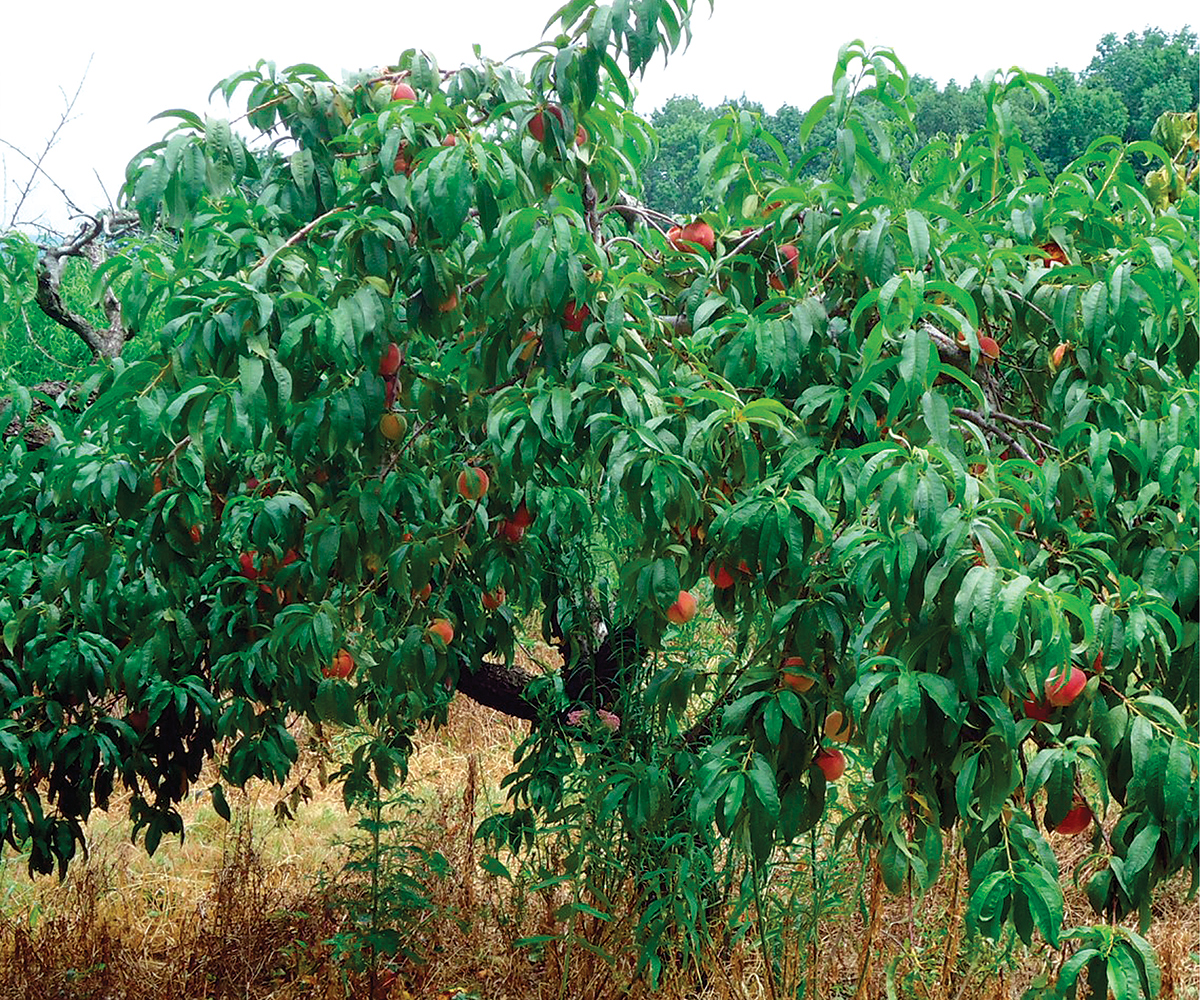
(241, 910)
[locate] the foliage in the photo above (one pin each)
(813, 409)
(671, 183)
(1127, 86)
(383, 890)
(1153, 73)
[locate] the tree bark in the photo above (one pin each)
(592, 679)
(104, 343)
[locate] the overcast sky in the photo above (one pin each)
(147, 57)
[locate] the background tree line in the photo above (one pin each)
(1127, 85)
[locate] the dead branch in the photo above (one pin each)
(50, 143)
(103, 343)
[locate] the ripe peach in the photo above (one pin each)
(700, 232)
(442, 628)
(837, 727)
(472, 483)
(1077, 820)
(791, 266)
(720, 576)
(389, 364)
(791, 678)
(249, 564)
(1035, 709)
(510, 531)
(341, 667)
(1063, 687)
(832, 763)
(537, 124)
(575, 316)
(683, 610)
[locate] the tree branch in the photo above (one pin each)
(594, 679)
(103, 343)
(37, 164)
(979, 420)
(589, 207)
(631, 210)
(499, 687)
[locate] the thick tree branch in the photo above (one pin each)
(499, 687)
(949, 352)
(594, 679)
(1021, 422)
(104, 343)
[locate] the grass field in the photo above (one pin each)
(264, 908)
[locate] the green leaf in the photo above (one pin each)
(1045, 898)
(937, 417)
(815, 114)
(762, 781)
(918, 237)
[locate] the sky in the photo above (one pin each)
(144, 57)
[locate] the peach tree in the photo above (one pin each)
(425, 373)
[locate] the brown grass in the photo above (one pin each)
(242, 910)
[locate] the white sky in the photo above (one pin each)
(150, 56)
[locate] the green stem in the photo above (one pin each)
(762, 926)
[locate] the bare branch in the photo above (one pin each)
(50, 143)
(980, 421)
(103, 343)
(297, 236)
(631, 241)
(631, 210)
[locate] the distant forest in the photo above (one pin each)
(1124, 89)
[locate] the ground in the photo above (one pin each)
(261, 908)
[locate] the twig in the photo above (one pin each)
(749, 238)
(37, 164)
(631, 240)
(979, 420)
(297, 236)
(107, 196)
(39, 348)
(173, 453)
(627, 206)
(262, 107)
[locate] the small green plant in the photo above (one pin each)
(384, 892)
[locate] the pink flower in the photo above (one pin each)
(575, 717)
(609, 719)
